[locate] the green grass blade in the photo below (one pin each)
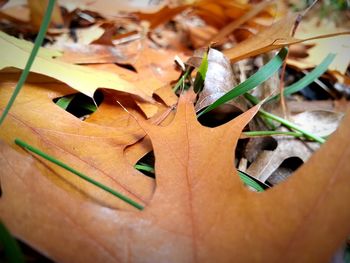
(88, 106)
(65, 101)
(144, 167)
(253, 81)
(202, 72)
(285, 122)
(271, 133)
(81, 175)
(10, 246)
(248, 180)
(181, 81)
(38, 41)
(307, 79)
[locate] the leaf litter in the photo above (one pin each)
(194, 165)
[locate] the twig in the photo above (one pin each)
(281, 86)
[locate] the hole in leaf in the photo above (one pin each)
(146, 165)
(127, 66)
(269, 144)
(287, 167)
(219, 116)
(79, 105)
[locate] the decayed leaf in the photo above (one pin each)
(95, 149)
(82, 79)
(320, 123)
(339, 45)
(200, 211)
(273, 37)
(267, 162)
(218, 81)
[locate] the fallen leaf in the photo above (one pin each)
(37, 11)
(162, 16)
(316, 105)
(110, 8)
(92, 54)
(218, 81)
(219, 13)
(82, 144)
(339, 45)
(83, 37)
(16, 11)
(200, 211)
(273, 37)
(267, 162)
(82, 79)
(227, 29)
(320, 123)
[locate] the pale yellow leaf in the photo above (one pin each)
(15, 53)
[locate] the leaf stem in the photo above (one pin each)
(81, 175)
(38, 41)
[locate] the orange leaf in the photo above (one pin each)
(200, 211)
(94, 149)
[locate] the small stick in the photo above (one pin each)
(281, 86)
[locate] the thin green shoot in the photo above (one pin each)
(285, 122)
(249, 181)
(38, 41)
(181, 82)
(144, 167)
(201, 74)
(65, 101)
(10, 246)
(252, 82)
(81, 175)
(271, 133)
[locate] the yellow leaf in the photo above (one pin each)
(15, 53)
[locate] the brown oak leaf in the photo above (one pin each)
(200, 210)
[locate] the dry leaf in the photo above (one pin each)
(227, 29)
(110, 8)
(200, 211)
(273, 37)
(267, 162)
(97, 150)
(218, 81)
(37, 11)
(92, 54)
(339, 45)
(15, 52)
(16, 11)
(320, 123)
(83, 37)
